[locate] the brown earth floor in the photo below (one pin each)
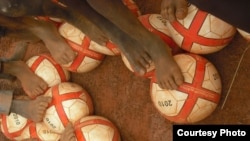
(124, 98)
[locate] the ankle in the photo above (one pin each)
(12, 67)
(19, 106)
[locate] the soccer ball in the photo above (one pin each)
(46, 67)
(200, 32)
(244, 34)
(96, 128)
(76, 36)
(132, 6)
(87, 58)
(158, 26)
(39, 131)
(194, 100)
(13, 125)
(70, 102)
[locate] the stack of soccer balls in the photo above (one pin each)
(71, 103)
(198, 34)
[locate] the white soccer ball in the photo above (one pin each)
(70, 102)
(46, 67)
(39, 131)
(75, 35)
(200, 32)
(96, 128)
(13, 125)
(196, 98)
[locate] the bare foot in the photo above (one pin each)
(32, 84)
(143, 48)
(138, 58)
(31, 109)
(55, 43)
(168, 73)
(68, 134)
(139, 46)
(174, 9)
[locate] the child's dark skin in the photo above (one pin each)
(117, 23)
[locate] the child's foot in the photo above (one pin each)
(31, 109)
(168, 73)
(138, 58)
(55, 43)
(32, 84)
(68, 134)
(151, 49)
(174, 9)
(140, 46)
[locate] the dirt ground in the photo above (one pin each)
(124, 98)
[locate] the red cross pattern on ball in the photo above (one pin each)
(81, 63)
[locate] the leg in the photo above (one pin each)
(73, 17)
(31, 109)
(138, 58)
(31, 83)
(45, 31)
(174, 9)
(6, 97)
(13, 8)
(139, 46)
(15, 28)
(52, 39)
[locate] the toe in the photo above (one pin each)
(139, 70)
(137, 66)
(179, 81)
(44, 86)
(163, 85)
(144, 63)
(181, 13)
(39, 91)
(31, 94)
(147, 58)
(173, 85)
(65, 60)
(181, 9)
(164, 13)
(171, 15)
